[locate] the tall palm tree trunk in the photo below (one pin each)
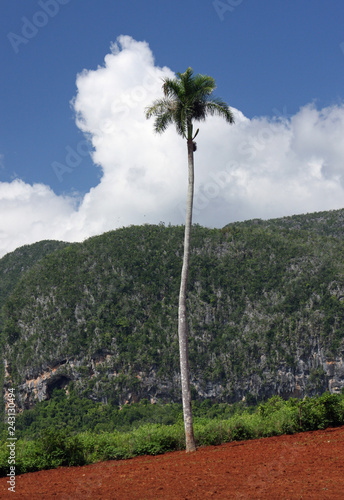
(187, 99)
(182, 316)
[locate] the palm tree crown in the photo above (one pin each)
(187, 98)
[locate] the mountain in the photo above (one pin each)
(13, 265)
(265, 299)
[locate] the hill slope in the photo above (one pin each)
(14, 264)
(265, 305)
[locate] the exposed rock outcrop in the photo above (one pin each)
(310, 377)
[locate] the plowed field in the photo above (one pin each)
(302, 466)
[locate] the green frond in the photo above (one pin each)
(162, 121)
(154, 108)
(165, 111)
(187, 98)
(172, 88)
(220, 108)
(204, 85)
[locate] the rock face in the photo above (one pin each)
(335, 374)
(40, 386)
(309, 378)
(265, 314)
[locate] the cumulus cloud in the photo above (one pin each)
(31, 213)
(261, 167)
(141, 172)
(275, 167)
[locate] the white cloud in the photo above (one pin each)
(31, 213)
(260, 167)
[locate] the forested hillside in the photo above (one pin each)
(266, 311)
(15, 264)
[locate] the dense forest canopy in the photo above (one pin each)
(265, 300)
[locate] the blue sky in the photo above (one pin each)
(279, 64)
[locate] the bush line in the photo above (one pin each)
(58, 447)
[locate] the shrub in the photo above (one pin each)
(322, 412)
(210, 432)
(156, 439)
(56, 448)
(244, 426)
(271, 406)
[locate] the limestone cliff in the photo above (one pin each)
(265, 303)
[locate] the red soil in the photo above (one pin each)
(302, 466)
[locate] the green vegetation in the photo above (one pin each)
(265, 302)
(87, 328)
(74, 415)
(96, 432)
(14, 265)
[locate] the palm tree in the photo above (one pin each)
(187, 99)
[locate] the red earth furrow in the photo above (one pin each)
(300, 466)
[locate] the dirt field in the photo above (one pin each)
(303, 466)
